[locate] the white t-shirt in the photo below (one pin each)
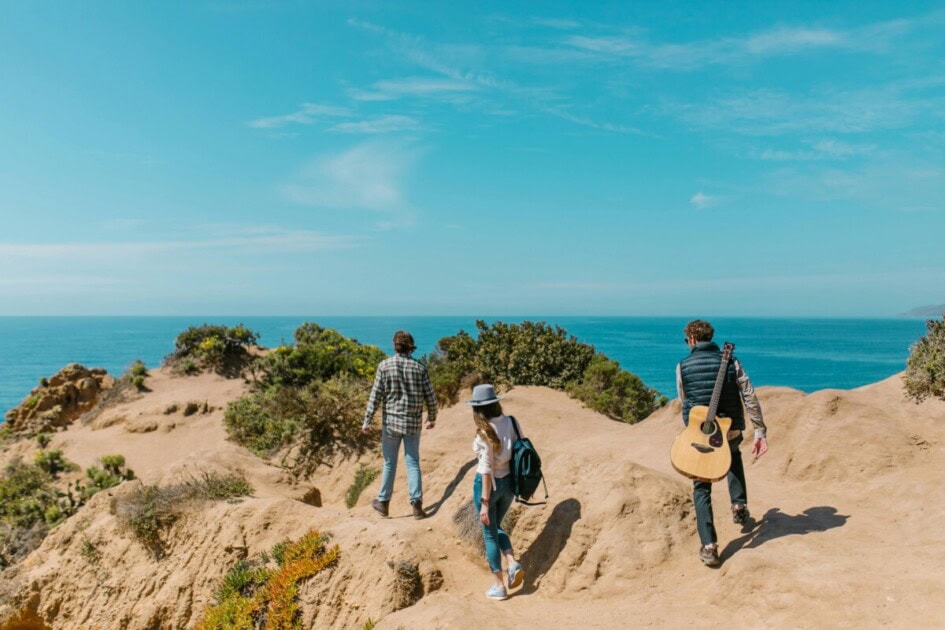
(496, 464)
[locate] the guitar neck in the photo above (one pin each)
(719, 381)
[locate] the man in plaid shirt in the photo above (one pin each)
(401, 387)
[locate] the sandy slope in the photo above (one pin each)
(849, 500)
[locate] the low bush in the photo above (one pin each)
(533, 353)
(53, 462)
(26, 497)
(318, 354)
(362, 479)
(925, 367)
(149, 511)
(111, 473)
(257, 420)
(43, 439)
(217, 348)
(312, 423)
(255, 594)
(615, 392)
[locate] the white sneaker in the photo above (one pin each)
(516, 575)
(497, 593)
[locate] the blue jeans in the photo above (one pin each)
(702, 495)
(497, 541)
(390, 445)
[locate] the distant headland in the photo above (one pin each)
(925, 311)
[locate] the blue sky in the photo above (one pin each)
(471, 158)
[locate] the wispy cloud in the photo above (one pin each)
(827, 149)
(774, 112)
(780, 41)
(307, 114)
(413, 87)
(556, 23)
(479, 88)
(368, 176)
(381, 124)
(701, 200)
(265, 240)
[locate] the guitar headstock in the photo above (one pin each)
(727, 349)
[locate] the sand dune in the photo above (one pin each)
(849, 505)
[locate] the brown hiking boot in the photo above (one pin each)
(418, 512)
(380, 507)
(740, 513)
(709, 554)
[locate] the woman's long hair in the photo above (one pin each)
(484, 429)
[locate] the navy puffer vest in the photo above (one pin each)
(699, 371)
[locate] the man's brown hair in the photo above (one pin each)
(700, 330)
(403, 342)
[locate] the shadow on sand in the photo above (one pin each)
(544, 551)
(450, 488)
(776, 524)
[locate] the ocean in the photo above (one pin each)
(807, 354)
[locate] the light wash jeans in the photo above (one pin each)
(497, 541)
(390, 445)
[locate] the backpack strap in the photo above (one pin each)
(518, 434)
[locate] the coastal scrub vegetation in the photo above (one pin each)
(31, 503)
(308, 401)
(925, 367)
(362, 479)
(261, 592)
(149, 511)
(217, 348)
(535, 353)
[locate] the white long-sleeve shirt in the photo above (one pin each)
(497, 464)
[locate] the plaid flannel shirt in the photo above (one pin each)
(401, 387)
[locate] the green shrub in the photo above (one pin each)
(315, 422)
(452, 367)
(26, 496)
(318, 354)
(217, 348)
(112, 473)
(52, 462)
(530, 353)
(138, 368)
(30, 402)
(258, 421)
(615, 392)
(328, 415)
(113, 463)
(925, 367)
(533, 353)
(362, 479)
(44, 382)
(43, 439)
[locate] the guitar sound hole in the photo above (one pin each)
(708, 427)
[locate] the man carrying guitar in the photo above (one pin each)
(695, 379)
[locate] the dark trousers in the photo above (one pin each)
(702, 495)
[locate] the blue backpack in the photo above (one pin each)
(526, 467)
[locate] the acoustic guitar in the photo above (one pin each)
(701, 451)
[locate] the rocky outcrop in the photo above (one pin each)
(58, 401)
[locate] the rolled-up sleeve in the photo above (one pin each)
(750, 400)
(483, 452)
